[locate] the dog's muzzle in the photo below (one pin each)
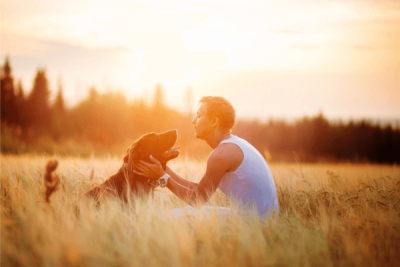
(172, 153)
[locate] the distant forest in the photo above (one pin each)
(107, 123)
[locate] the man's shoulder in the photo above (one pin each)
(226, 150)
(228, 153)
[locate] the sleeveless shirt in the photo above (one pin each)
(251, 184)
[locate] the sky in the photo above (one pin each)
(270, 58)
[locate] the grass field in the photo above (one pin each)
(330, 215)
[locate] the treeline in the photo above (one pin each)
(316, 139)
(107, 122)
(101, 122)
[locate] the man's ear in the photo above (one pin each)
(215, 122)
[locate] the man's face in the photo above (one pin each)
(202, 123)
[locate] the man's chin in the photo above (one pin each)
(197, 136)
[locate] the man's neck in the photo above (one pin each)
(216, 138)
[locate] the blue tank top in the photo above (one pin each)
(251, 184)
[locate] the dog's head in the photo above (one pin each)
(160, 146)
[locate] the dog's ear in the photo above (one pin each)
(129, 153)
(132, 153)
(126, 158)
(134, 150)
(131, 156)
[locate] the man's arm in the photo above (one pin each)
(183, 182)
(225, 158)
(218, 163)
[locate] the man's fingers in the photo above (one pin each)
(154, 160)
(147, 164)
(139, 173)
(139, 168)
(147, 169)
(143, 165)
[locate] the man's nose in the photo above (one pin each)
(194, 120)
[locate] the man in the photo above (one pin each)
(235, 166)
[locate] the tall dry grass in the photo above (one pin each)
(340, 215)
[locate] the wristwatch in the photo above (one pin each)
(163, 180)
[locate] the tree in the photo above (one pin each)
(20, 91)
(21, 106)
(8, 101)
(59, 122)
(59, 105)
(38, 102)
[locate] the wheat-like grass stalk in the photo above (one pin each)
(330, 215)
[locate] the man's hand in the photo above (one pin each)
(151, 171)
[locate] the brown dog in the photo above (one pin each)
(160, 146)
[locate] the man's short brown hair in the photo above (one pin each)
(221, 108)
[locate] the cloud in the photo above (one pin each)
(169, 42)
(207, 58)
(172, 68)
(145, 21)
(338, 45)
(305, 46)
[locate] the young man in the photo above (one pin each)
(235, 166)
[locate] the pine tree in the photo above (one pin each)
(21, 106)
(20, 90)
(8, 100)
(59, 105)
(38, 102)
(59, 119)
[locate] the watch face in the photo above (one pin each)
(163, 182)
